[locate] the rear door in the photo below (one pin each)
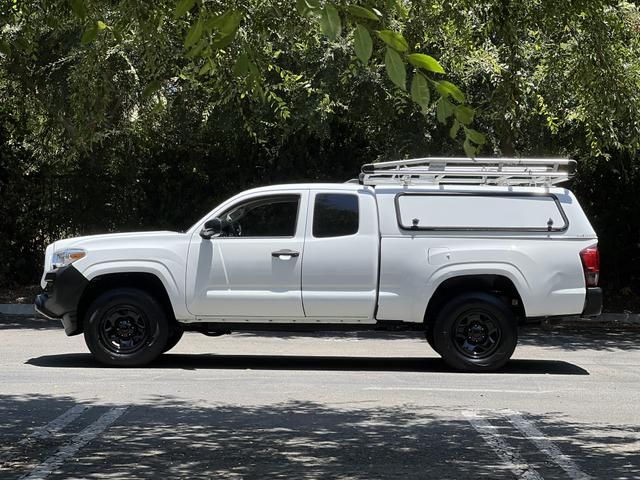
(340, 264)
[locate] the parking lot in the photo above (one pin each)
(357, 406)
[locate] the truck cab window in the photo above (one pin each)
(335, 215)
(274, 216)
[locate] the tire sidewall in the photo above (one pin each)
(174, 337)
(140, 299)
(499, 312)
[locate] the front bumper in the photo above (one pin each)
(592, 302)
(61, 297)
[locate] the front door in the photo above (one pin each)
(253, 270)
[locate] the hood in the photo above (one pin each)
(88, 240)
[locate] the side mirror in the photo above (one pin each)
(212, 228)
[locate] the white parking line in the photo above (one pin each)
(545, 445)
(81, 439)
(507, 453)
(46, 431)
(437, 389)
(57, 424)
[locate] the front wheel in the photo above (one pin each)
(175, 334)
(428, 334)
(126, 327)
(475, 332)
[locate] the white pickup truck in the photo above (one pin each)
(465, 250)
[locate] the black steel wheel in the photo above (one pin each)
(475, 332)
(126, 327)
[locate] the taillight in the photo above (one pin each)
(591, 263)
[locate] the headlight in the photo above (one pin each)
(67, 257)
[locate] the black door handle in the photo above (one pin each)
(282, 253)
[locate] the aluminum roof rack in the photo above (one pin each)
(469, 171)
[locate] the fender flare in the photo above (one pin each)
(158, 269)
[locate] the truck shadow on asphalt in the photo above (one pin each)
(168, 437)
(302, 362)
(569, 337)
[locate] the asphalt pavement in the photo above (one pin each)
(345, 405)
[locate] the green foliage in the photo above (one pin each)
(330, 22)
(427, 62)
(448, 89)
(464, 115)
(455, 128)
(475, 136)
(151, 88)
(89, 34)
(5, 48)
(469, 149)
(157, 110)
(362, 43)
(183, 6)
(444, 109)
(79, 9)
(420, 92)
(226, 24)
(394, 40)
(194, 34)
(395, 68)
(306, 7)
(358, 11)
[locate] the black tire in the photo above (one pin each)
(175, 334)
(475, 332)
(126, 327)
(428, 334)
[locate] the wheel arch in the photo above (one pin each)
(146, 281)
(495, 283)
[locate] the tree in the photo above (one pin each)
(546, 77)
(157, 110)
(253, 50)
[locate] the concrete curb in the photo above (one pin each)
(17, 309)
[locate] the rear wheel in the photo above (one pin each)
(475, 332)
(126, 327)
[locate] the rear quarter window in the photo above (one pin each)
(335, 215)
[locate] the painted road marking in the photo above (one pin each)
(46, 431)
(531, 432)
(436, 389)
(57, 424)
(506, 452)
(80, 440)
